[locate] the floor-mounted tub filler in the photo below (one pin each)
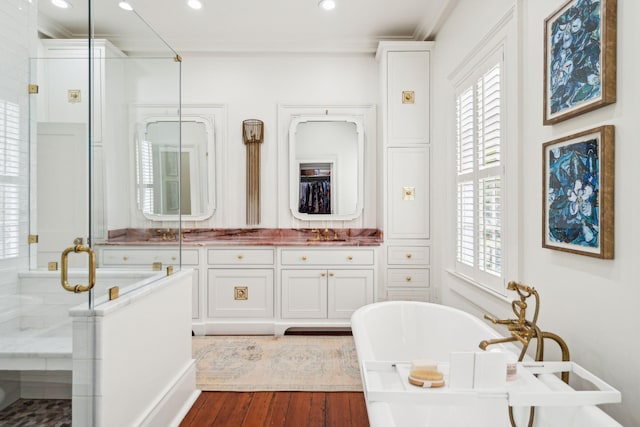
(390, 335)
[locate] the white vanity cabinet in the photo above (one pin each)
(154, 259)
(239, 292)
(143, 257)
(327, 284)
(325, 293)
(405, 153)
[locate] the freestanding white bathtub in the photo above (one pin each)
(402, 331)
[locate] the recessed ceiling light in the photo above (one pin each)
(194, 4)
(63, 4)
(327, 4)
(125, 5)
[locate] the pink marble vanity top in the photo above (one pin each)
(247, 236)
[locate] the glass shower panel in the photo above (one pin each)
(83, 186)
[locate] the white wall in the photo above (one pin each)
(591, 303)
(252, 86)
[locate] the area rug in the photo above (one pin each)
(268, 363)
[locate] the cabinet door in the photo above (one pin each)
(65, 87)
(348, 291)
(236, 293)
(408, 97)
(408, 193)
(304, 294)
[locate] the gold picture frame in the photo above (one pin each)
(578, 193)
(579, 59)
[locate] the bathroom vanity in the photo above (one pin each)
(351, 171)
(261, 281)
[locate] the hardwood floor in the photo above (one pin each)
(278, 409)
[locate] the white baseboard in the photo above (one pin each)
(176, 401)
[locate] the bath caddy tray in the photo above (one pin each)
(536, 386)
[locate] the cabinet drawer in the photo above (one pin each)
(240, 293)
(409, 255)
(404, 295)
(143, 257)
(408, 278)
(240, 256)
(327, 257)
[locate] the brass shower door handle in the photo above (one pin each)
(65, 267)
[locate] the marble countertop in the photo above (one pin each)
(247, 236)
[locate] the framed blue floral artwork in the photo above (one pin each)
(579, 58)
(578, 182)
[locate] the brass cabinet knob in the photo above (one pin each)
(331, 274)
(173, 258)
(304, 258)
(350, 258)
(124, 258)
(323, 274)
(240, 256)
(408, 278)
(408, 256)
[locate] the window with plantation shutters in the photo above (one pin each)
(9, 171)
(144, 167)
(479, 175)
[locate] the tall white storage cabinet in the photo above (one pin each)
(405, 162)
(63, 79)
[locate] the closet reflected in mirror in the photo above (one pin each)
(326, 167)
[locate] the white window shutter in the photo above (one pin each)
(9, 171)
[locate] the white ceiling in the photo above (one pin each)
(249, 25)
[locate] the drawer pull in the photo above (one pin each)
(408, 256)
(323, 274)
(124, 258)
(304, 258)
(350, 258)
(408, 278)
(173, 258)
(331, 274)
(240, 256)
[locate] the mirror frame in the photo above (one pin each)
(294, 165)
(208, 121)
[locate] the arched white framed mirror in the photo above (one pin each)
(326, 161)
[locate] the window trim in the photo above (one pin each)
(502, 37)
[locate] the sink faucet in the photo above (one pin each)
(316, 232)
(167, 234)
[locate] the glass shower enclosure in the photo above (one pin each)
(83, 193)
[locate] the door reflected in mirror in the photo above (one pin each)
(326, 167)
(173, 166)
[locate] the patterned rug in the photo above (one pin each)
(268, 363)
